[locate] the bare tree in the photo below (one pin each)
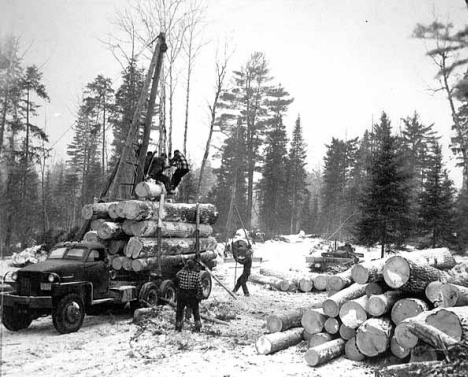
(192, 46)
(444, 57)
(221, 69)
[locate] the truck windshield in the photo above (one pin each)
(64, 253)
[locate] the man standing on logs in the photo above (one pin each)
(156, 168)
(242, 253)
(189, 293)
(180, 162)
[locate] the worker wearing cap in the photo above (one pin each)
(189, 293)
(242, 253)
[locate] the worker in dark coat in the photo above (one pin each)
(189, 294)
(180, 162)
(242, 253)
(156, 168)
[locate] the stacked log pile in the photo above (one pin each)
(411, 305)
(129, 229)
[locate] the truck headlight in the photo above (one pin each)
(14, 276)
(51, 278)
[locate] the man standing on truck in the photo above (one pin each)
(189, 293)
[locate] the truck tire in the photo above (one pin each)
(148, 295)
(15, 321)
(69, 314)
(168, 291)
(207, 284)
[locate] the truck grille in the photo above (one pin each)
(25, 287)
(28, 286)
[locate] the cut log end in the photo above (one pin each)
(360, 274)
(274, 324)
(396, 272)
(263, 345)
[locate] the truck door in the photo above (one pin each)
(96, 271)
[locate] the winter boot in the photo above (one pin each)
(178, 326)
(197, 326)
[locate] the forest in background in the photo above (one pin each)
(385, 187)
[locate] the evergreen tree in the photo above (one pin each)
(297, 178)
(99, 98)
(274, 203)
(126, 99)
(385, 204)
(436, 201)
(334, 184)
(231, 181)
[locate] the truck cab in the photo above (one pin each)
(74, 277)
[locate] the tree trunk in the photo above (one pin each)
(407, 275)
(116, 246)
(284, 321)
(398, 350)
(96, 223)
(286, 280)
(408, 370)
(451, 321)
(306, 284)
(96, 210)
(373, 336)
(407, 308)
(278, 341)
(111, 231)
(430, 335)
(147, 247)
(146, 264)
(432, 292)
(380, 304)
(325, 352)
(332, 305)
(313, 320)
(346, 332)
(453, 295)
(318, 339)
(275, 283)
(149, 190)
(353, 312)
(332, 326)
(340, 281)
(367, 272)
(351, 350)
(176, 212)
(148, 228)
(375, 288)
(321, 282)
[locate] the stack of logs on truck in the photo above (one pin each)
(412, 307)
(129, 229)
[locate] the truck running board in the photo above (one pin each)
(102, 301)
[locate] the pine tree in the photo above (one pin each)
(274, 203)
(99, 98)
(126, 98)
(436, 201)
(297, 177)
(385, 204)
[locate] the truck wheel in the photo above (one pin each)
(69, 314)
(167, 290)
(149, 294)
(14, 320)
(207, 284)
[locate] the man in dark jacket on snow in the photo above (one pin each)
(189, 293)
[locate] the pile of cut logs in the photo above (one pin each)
(129, 229)
(412, 305)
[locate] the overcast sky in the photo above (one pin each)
(343, 61)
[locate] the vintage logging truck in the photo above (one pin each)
(118, 266)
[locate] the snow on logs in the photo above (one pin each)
(379, 307)
(129, 229)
